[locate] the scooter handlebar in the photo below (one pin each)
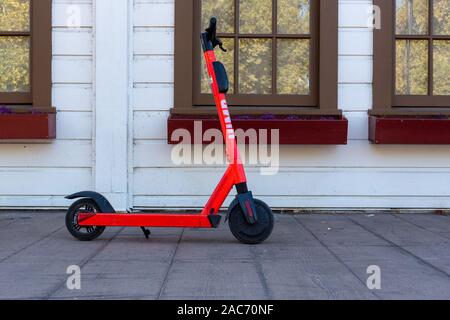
(212, 29)
(212, 34)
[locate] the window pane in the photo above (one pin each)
(14, 15)
(442, 17)
(14, 64)
(293, 16)
(441, 62)
(412, 67)
(223, 10)
(227, 58)
(412, 16)
(293, 67)
(255, 66)
(255, 16)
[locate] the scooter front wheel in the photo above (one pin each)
(251, 233)
(83, 233)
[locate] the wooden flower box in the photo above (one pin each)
(409, 129)
(27, 125)
(294, 130)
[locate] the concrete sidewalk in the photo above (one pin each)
(308, 257)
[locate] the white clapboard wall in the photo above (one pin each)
(359, 175)
(37, 174)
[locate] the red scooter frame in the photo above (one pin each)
(94, 212)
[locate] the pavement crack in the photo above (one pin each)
(262, 278)
(421, 227)
(346, 266)
(169, 268)
(30, 245)
(400, 248)
(83, 264)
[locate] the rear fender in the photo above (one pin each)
(103, 203)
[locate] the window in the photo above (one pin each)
(281, 59)
(412, 58)
(268, 58)
(25, 53)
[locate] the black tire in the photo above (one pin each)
(247, 233)
(82, 233)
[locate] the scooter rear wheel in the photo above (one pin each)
(251, 233)
(83, 233)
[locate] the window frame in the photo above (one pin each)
(325, 102)
(385, 100)
(272, 99)
(40, 34)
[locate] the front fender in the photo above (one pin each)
(103, 203)
(243, 200)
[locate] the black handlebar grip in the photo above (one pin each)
(212, 29)
(213, 23)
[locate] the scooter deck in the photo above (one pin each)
(149, 220)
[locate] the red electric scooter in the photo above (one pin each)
(250, 220)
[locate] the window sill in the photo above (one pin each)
(409, 129)
(294, 130)
(256, 111)
(27, 126)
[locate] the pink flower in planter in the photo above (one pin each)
(243, 118)
(268, 117)
(5, 110)
(34, 111)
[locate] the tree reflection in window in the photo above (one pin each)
(14, 46)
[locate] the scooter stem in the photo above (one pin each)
(235, 175)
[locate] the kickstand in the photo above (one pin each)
(146, 232)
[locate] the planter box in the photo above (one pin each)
(409, 130)
(27, 126)
(293, 130)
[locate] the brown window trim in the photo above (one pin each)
(385, 102)
(401, 119)
(185, 42)
(267, 100)
(31, 114)
(40, 61)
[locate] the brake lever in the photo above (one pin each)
(220, 43)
